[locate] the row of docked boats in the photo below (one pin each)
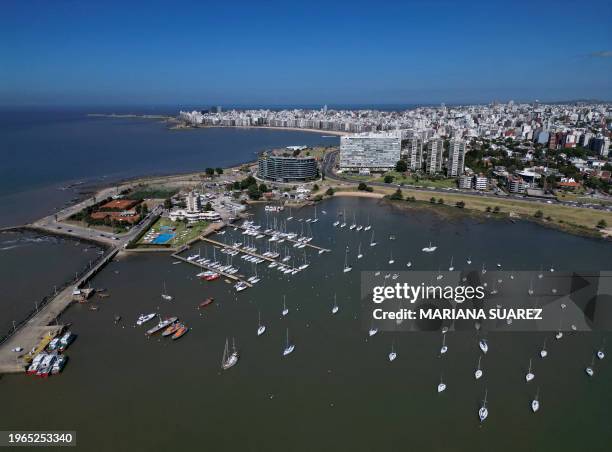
(51, 361)
(170, 326)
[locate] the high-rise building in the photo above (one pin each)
(287, 169)
(435, 150)
(456, 157)
(601, 145)
(372, 151)
(414, 153)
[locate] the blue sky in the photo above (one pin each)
(334, 52)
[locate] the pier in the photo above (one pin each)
(236, 248)
(206, 267)
(269, 234)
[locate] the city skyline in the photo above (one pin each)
(340, 54)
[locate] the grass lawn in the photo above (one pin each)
(183, 232)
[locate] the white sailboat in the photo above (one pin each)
(315, 219)
(359, 254)
(229, 359)
(444, 347)
(372, 241)
(483, 345)
(483, 412)
(429, 249)
(530, 375)
(391, 260)
(373, 330)
(469, 260)
(285, 310)
(441, 385)
(451, 267)
(288, 346)
(369, 226)
(392, 354)
(600, 353)
(484, 270)
(343, 224)
(354, 224)
(478, 373)
(165, 295)
(544, 352)
(535, 403)
(347, 267)
(335, 306)
(590, 370)
(261, 329)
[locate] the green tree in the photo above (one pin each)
(432, 200)
(440, 201)
(538, 214)
(388, 179)
(488, 209)
(398, 195)
(362, 186)
(254, 192)
(263, 188)
(208, 207)
(209, 172)
(401, 166)
(496, 209)
(330, 191)
(219, 171)
(315, 188)
(602, 224)
(167, 203)
(460, 204)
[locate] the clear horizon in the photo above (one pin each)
(77, 54)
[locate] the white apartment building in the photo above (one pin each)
(414, 152)
(456, 157)
(193, 202)
(374, 151)
(481, 182)
(435, 152)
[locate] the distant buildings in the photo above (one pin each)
(456, 157)
(287, 169)
(371, 151)
(476, 182)
(435, 149)
(516, 184)
(414, 153)
(601, 145)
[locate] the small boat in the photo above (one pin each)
(429, 249)
(478, 373)
(229, 359)
(391, 260)
(372, 331)
(483, 345)
(335, 308)
(372, 241)
(59, 364)
(347, 267)
(530, 375)
(600, 353)
(451, 267)
(535, 403)
(288, 346)
(66, 340)
(144, 318)
(483, 412)
(261, 329)
(359, 254)
(285, 310)
(469, 260)
(441, 386)
(165, 295)
(171, 329)
(206, 302)
(392, 354)
(161, 325)
(444, 347)
(544, 352)
(590, 370)
(180, 332)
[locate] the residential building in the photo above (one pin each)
(481, 182)
(414, 153)
(287, 169)
(374, 151)
(465, 182)
(516, 184)
(435, 152)
(193, 202)
(456, 157)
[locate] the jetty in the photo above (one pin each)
(294, 241)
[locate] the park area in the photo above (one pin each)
(168, 233)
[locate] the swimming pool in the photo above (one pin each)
(163, 238)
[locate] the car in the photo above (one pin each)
(69, 230)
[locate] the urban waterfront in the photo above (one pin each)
(51, 150)
(337, 390)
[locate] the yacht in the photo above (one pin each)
(430, 248)
(288, 346)
(359, 254)
(372, 241)
(372, 331)
(535, 403)
(229, 359)
(441, 386)
(544, 352)
(347, 267)
(144, 318)
(590, 370)
(392, 354)
(600, 353)
(483, 412)
(335, 307)
(391, 260)
(478, 373)
(369, 226)
(261, 329)
(285, 310)
(483, 345)
(451, 267)
(530, 375)
(165, 295)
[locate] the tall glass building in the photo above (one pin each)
(287, 169)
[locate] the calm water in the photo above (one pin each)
(45, 150)
(337, 391)
(31, 266)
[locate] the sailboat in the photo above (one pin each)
(343, 224)
(442, 385)
(590, 370)
(261, 329)
(315, 219)
(451, 267)
(290, 217)
(409, 264)
(535, 403)
(391, 260)
(600, 353)
(285, 310)
(392, 354)
(347, 267)
(483, 345)
(373, 330)
(354, 224)
(288, 346)
(372, 241)
(359, 255)
(369, 226)
(335, 307)
(544, 352)
(483, 412)
(229, 359)
(484, 270)
(478, 372)
(429, 249)
(530, 375)
(469, 260)
(165, 295)
(444, 347)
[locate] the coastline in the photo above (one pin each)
(291, 129)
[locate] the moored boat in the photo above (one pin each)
(180, 332)
(206, 302)
(161, 325)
